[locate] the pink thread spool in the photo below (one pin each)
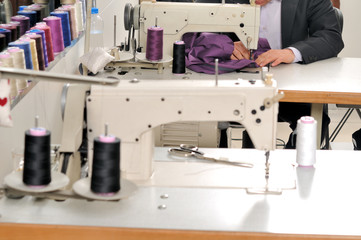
(56, 33)
(48, 39)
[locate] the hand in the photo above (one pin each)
(276, 57)
(240, 51)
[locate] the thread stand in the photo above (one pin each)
(142, 63)
(128, 188)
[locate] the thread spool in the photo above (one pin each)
(34, 53)
(37, 11)
(105, 179)
(7, 34)
(179, 59)
(27, 52)
(42, 1)
(8, 10)
(56, 33)
(17, 25)
(65, 26)
(12, 29)
(79, 15)
(2, 42)
(41, 33)
(19, 62)
(40, 11)
(24, 23)
(154, 49)
(23, 7)
(306, 141)
(37, 158)
(48, 39)
(67, 1)
(64, 9)
(7, 61)
(39, 49)
(32, 15)
(73, 21)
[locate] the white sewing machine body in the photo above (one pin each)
(132, 109)
(177, 19)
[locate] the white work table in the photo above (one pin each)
(324, 204)
(335, 80)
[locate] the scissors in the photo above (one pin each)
(188, 150)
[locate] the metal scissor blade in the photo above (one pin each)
(221, 161)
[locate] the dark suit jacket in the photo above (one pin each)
(311, 27)
(308, 25)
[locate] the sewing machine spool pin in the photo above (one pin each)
(115, 30)
(36, 121)
(216, 70)
(106, 126)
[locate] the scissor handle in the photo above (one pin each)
(191, 148)
(180, 152)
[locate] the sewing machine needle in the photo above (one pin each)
(267, 165)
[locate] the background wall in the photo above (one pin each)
(351, 28)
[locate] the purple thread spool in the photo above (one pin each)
(154, 51)
(56, 33)
(45, 51)
(65, 26)
(24, 23)
(17, 25)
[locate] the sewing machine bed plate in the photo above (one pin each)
(326, 201)
(175, 171)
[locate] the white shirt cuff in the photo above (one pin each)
(298, 55)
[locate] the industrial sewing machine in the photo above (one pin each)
(177, 19)
(136, 106)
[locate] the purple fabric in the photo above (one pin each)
(203, 48)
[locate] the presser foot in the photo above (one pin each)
(265, 191)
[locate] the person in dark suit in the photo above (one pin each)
(309, 32)
(310, 26)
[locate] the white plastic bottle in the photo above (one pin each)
(96, 30)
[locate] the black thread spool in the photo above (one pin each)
(105, 179)
(179, 59)
(2, 42)
(37, 157)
